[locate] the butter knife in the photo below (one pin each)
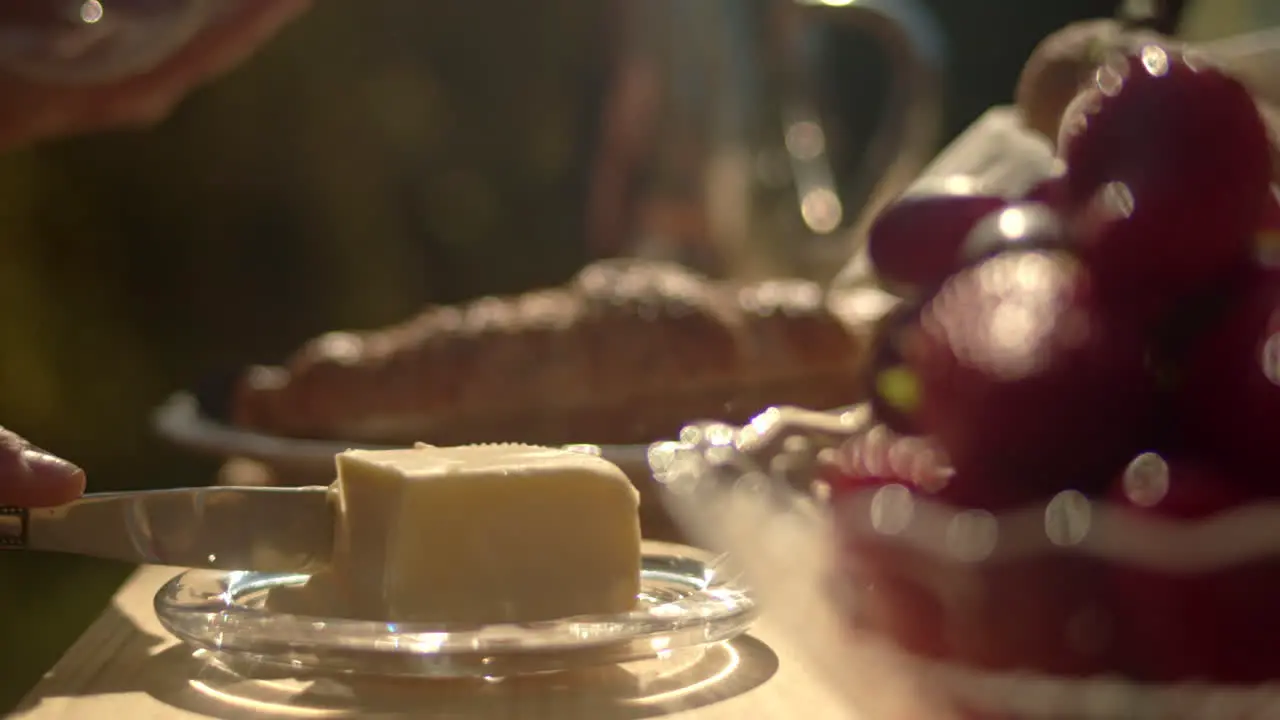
(221, 528)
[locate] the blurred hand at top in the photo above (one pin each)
(31, 477)
(77, 66)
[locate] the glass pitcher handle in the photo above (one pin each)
(838, 207)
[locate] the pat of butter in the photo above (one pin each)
(485, 534)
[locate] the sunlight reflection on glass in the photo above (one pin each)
(262, 706)
(1155, 60)
(1013, 222)
(972, 535)
(892, 508)
(1068, 518)
(729, 663)
(1146, 480)
(805, 140)
(91, 11)
(1271, 358)
(822, 210)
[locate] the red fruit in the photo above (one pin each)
(1271, 211)
(891, 387)
(1025, 383)
(914, 243)
(1266, 241)
(1194, 624)
(1040, 614)
(887, 583)
(1228, 405)
(1184, 150)
(1036, 613)
(1048, 191)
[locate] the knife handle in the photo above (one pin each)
(13, 528)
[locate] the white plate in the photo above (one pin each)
(184, 420)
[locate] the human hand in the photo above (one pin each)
(31, 477)
(31, 111)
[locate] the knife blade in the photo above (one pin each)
(222, 528)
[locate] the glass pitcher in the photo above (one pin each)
(719, 150)
(715, 145)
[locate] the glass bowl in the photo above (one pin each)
(1074, 609)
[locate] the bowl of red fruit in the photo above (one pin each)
(1062, 498)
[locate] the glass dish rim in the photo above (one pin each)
(247, 632)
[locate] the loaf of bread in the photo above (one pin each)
(627, 352)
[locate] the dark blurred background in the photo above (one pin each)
(377, 157)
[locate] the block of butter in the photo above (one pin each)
(484, 534)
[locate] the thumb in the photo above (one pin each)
(31, 477)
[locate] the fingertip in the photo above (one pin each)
(63, 490)
(72, 488)
(50, 481)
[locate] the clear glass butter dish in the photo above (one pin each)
(688, 597)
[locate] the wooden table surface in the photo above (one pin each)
(127, 666)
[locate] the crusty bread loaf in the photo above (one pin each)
(627, 352)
